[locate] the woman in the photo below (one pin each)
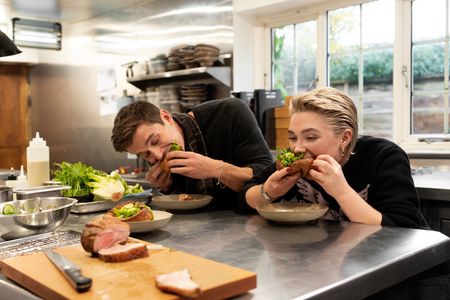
(365, 180)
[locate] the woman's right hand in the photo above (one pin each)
(158, 178)
(279, 183)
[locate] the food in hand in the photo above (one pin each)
(173, 147)
(107, 237)
(296, 162)
(132, 211)
(184, 197)
(179, 283)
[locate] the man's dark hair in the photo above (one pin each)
(128, 119)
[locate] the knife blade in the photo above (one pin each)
(70, 270)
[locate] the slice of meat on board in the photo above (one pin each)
(179, 283)
(121, 253)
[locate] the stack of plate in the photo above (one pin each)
(192, 95)
(206, 54)
(173, 61)
(187, 57)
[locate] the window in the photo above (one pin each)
(400, 84)
(430, 67)
(360, 51)
(294, 57)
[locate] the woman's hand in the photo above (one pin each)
(279, 183)
(158, 178)
(327, 172)
(193, 165)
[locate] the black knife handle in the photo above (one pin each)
(80, 283)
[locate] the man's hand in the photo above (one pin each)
(158, 178)
(191, 164)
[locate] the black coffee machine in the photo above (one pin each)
(263, 103)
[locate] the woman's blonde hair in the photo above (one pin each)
(336, 107)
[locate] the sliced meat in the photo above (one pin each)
(121, 253)
(103, 232)
(179, 283)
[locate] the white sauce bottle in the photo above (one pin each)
(38, 162)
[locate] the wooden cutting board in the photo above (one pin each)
(128, 280)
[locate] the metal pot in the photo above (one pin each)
(6, 193)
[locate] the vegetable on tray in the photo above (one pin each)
(85, 180)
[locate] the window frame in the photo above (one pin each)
(402, 64)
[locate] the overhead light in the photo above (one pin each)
(7, 46)
(191, 10)
(37, 34)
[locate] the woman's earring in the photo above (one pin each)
(342, 151)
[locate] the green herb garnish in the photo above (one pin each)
(287, 157)
(129, 210)
(175, 147)
(76, 175)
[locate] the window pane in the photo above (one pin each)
(344, 29)
(306, 45)
(344, 73)
(372, 53)
(374, 32)
(428, 66)
(428, 19)
(377, 116)
(283, 59)
(428, 114)
(378, 70)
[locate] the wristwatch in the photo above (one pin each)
(265, 195)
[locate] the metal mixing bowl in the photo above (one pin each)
(34, 216)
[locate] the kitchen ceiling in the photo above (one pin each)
(133, 27)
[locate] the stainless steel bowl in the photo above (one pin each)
(34, 216)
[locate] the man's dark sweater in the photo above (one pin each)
(231, 134)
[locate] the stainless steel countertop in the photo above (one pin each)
(326, 260)
(321, 261)
(433, 186)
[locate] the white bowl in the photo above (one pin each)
(172, 202)
(160, 219)
(292, 212)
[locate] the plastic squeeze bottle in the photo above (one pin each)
(38, 162)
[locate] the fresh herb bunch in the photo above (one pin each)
(76, 175)
(175, 147)
(287, 157)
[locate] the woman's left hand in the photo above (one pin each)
(327, 172)
(193, 165)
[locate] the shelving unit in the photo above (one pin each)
(205, 75)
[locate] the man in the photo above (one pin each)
(223, 146)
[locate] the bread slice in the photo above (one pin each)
(302, 165)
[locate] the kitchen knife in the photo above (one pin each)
(70, 271)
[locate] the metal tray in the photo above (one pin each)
(40, 191)
(95, 206)
(36, 243)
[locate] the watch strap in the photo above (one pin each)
(265, 195)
